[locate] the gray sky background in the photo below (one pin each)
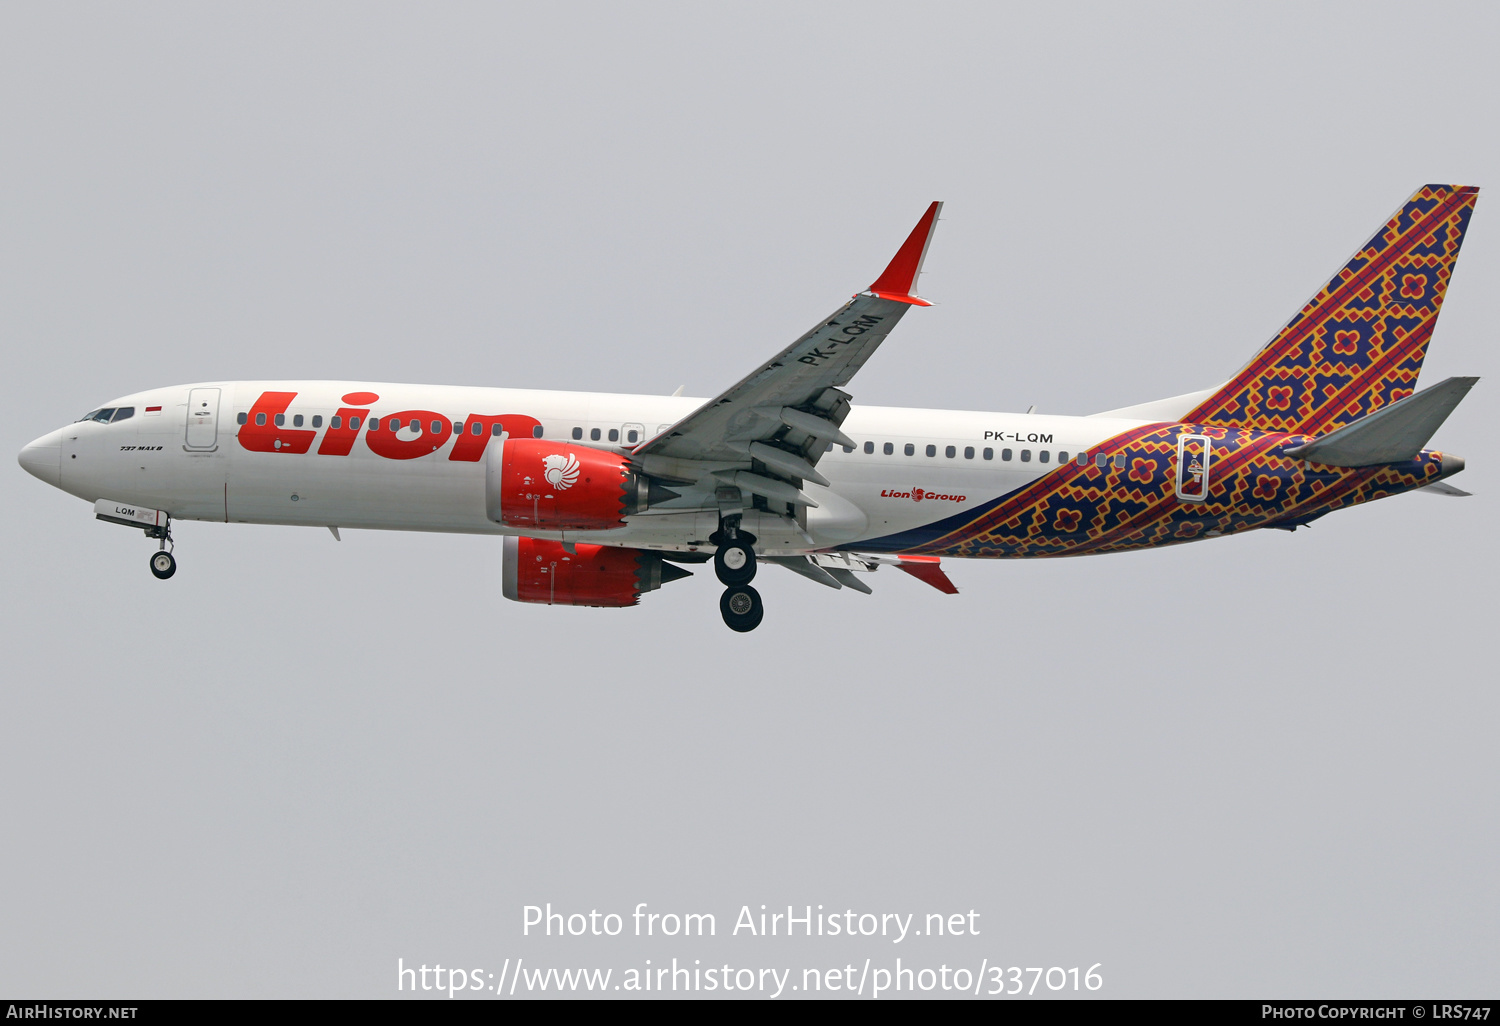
(1260, 766)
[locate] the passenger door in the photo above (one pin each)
(202, 420)
(1194, 455)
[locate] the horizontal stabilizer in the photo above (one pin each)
(1392, 434)
(1444, 488)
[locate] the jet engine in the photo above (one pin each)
(581, 575)
(558, 487)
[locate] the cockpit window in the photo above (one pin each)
(102, 416)
(87, 416)
(123, 413)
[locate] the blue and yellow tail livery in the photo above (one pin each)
(1358, 344)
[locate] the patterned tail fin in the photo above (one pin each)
(1358, 344)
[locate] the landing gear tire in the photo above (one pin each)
(163, 565)
(734, 563)
(741, 608)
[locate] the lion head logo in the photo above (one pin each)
(561, 471)
(918, 494)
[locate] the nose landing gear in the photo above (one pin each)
(163, 563)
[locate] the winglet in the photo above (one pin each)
(928, 570)
(899, 282)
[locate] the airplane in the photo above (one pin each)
(601, 498)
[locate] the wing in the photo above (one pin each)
(777, 422)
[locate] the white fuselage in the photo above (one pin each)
(153, 460)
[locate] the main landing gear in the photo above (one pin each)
(163, 563)
(741, 608)
(734, 564)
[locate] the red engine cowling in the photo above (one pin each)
(558, 487)
(591, 575)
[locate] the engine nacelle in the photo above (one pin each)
(559, 487)
(591, 575)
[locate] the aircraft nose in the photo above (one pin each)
(43, 458)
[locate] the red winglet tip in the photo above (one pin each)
(928, 570)
(913, 300)
(899, 281)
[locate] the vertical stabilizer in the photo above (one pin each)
(1358, 344)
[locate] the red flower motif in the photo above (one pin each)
(1279, 397)
(1142, 470)
(1067, 519)
(1345, 343)
(1413, 286)
(1267, 487)
(1187, 529)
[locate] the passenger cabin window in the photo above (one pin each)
(889, 449)
(950, 452)
(1101, 461)
(630, 436)
(989, 453)
(577, 433)
(317, 420)
(869, 448)
(416, 426)
(373, 423)
(932, 450)
(848, 448)
(495, 430)
(1119, 461)
(1044, 456)
(1083, 459)
(614, 434)
(1006, 454)
(280, 420)
(297, 420)
(911, 450)
(243, 417)
(536, 432)
(968, 452)
(334, 423)
(594, 435)
(437, 427)
(1025, 455)
(1062, 456)
(353, 423)
(260, 420)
